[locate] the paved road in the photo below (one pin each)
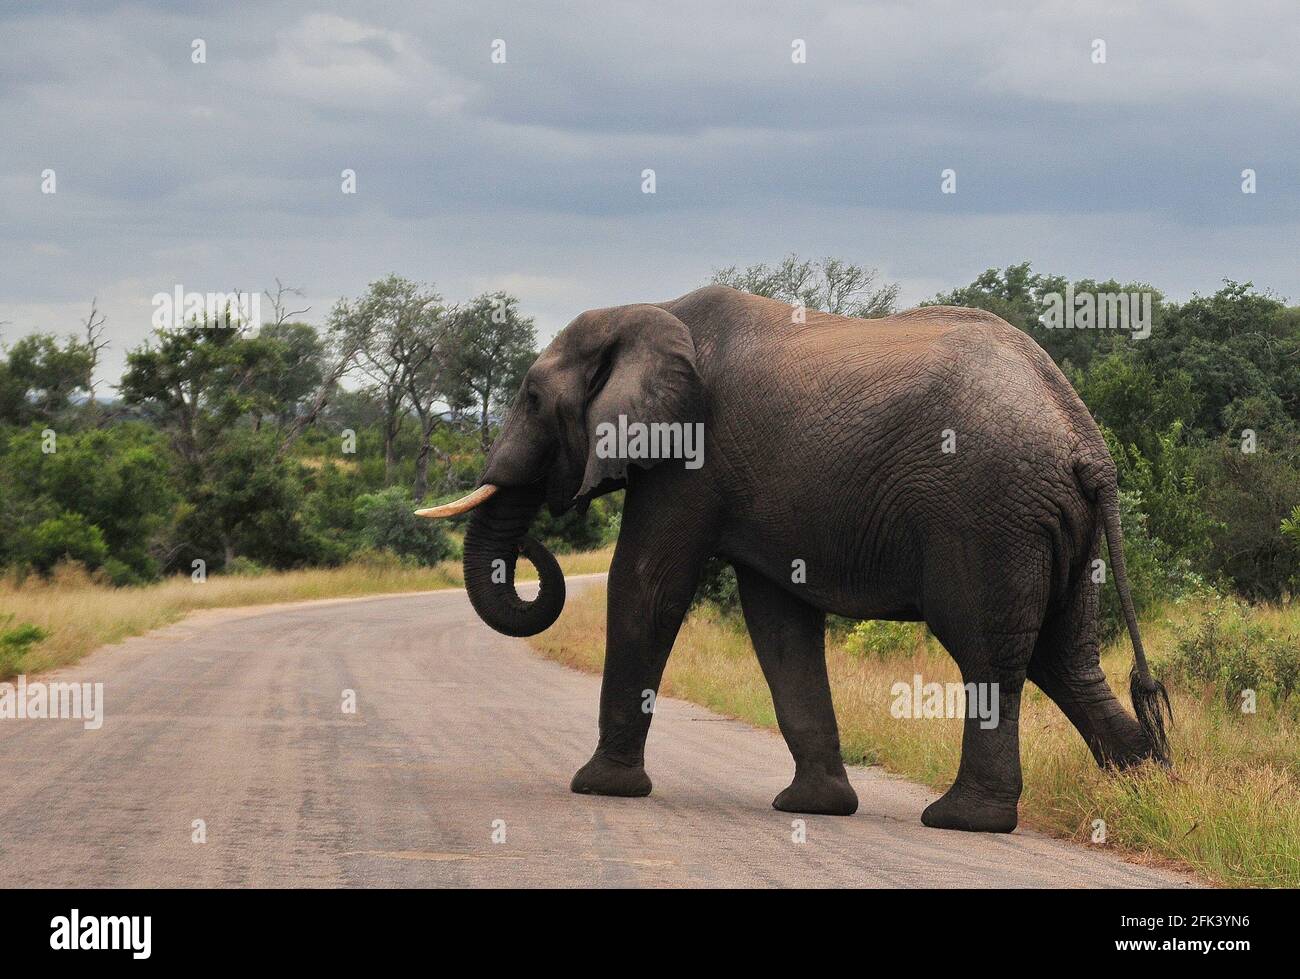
(235, 718)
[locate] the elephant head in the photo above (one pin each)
(634, 361)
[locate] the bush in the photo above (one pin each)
(244, 567)
(67, 537)
(1231, 654)
(15, 642)
(388, 521)
(1250, 495)
(379, 560)
(880, 638)
(1155, 574)
(581, 532)
(120, 574)
(718, 587)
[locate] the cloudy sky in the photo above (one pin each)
(526, 175)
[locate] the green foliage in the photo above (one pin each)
(1019, 296)
(120, 479)
(1169, 500)
(228, 446)
(1249, 495)
(244, 567)
(1231, 653)
(66, 537)
(881, 639)
(1155, 573)
(388, 522)
(15, 642)
(576, 531)
(718, 587)
(492, 346)
(1291, 527)
(40, 377)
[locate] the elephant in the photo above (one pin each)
(931, 466)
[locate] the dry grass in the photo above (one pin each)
(1231, 812)
(80, 615)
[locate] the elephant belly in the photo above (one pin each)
(843, 574)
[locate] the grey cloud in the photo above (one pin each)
(227, 174)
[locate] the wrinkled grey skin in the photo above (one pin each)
(823, 445)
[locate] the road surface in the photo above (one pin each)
(235, 718)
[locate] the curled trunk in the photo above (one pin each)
(496, 537)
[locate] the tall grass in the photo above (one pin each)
(1230, 811)
(77, 614)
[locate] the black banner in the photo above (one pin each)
(143, 929)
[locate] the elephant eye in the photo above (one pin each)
(532, 402)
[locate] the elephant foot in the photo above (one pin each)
(971, 812)
(819, 794)
(603, 776)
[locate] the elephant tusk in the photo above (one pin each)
(463, 505)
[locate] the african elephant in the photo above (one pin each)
(930, 466)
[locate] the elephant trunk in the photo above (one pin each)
(497, 535)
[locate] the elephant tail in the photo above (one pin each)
(1150, 699)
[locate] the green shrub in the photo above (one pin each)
(388, 521)
(380, 559)
(1155, 574)
(880, 638)
(1231, 654)
(15, 642)
(1283, 661)
(67, 537)
(718, 587)
(1250, 495)
(243, 566)
(120, 574)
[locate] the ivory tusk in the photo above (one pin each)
(463, 505)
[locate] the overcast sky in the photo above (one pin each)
(526, 175)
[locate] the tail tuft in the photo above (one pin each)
(1151, 705)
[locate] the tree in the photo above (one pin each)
(1019, 295)
(388, 522)
(828, 284)
(397, 326)
(492, 348)
(41, 376)
(284, 369)
(336, 359)
(118, 478)
(280, 302)
(95, 344)
(194, 381)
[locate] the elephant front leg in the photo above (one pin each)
(651, 583)
(790, 639)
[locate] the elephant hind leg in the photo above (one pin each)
(989, 621)
(1067, 667)
(789, 637)
(985, 795)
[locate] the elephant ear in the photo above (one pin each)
(645, 372)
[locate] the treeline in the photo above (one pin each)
(289, 446)
(303, 446)
(1203, 420)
